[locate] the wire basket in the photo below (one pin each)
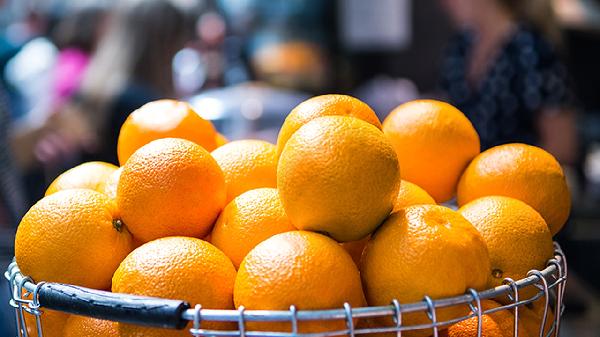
(29, 298)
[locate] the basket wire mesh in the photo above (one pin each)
(549, 284)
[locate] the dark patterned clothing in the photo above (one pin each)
(526, 77)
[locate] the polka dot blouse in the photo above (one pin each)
(526, 78)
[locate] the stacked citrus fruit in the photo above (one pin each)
(343, 209)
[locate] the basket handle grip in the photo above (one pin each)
(148, 311)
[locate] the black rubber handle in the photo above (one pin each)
(132, 309)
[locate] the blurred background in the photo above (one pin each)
(522, 71)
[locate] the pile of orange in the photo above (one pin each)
(343, 209)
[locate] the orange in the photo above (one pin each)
(424, 250)
(435, 142)
(523, 172)
(73, 236)
(247, 164)
(53, 323)
(517, 237)
(338, 175)
(324, 105)
(164, 119)
(80, 326)
(111, 184)
(356, 248)
(411, 194)
(497, 324)
(220, 140)
(305, 269)
(170, 187)
(501, 323)
(248, 220)
(532, 316)
(181, 268)
(92, 175)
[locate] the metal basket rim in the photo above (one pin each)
(555, 267)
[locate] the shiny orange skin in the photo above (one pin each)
(112, 183)
(411, 194)
(320, 106)
(92, 175)
(182, 268)
(53, 323)
(497, 324)
(170, 187)
(164, 119)
(247, 164)
(72, 236)
(435, 142)
(338, 175)
(523, 172)
(248, 220)
(305, 269)
(516, 235)
(424, 250)
(80, 326)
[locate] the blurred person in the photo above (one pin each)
(76, 37)
(202, 64)
(12, 200)
(211, 32)
(131, 66)
(28, 78)
(45, 141)
(504, 72)
(29, 74)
